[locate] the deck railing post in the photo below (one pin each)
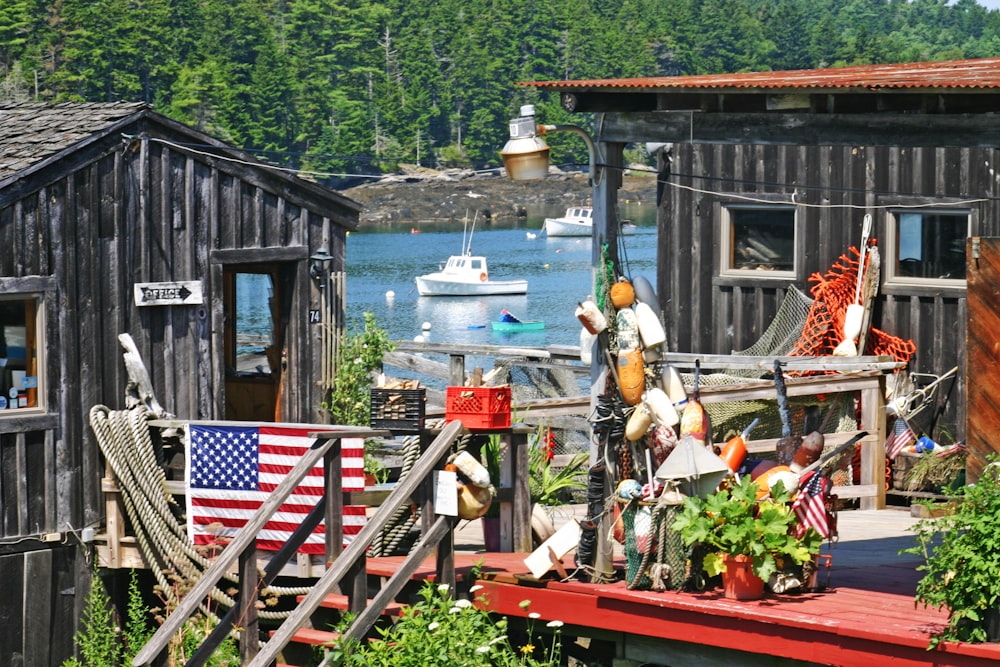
(247, 616)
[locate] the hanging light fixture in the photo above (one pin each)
(526, 155)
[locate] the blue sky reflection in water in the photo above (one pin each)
(381, 258)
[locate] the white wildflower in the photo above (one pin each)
(463, 604)
(534, 614)
(443, 588)
(475, 588)
(455, 610)
(554, 624)
(483, 649)
(433, 626)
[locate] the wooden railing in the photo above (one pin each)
(343, 564)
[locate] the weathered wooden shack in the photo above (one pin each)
(115, 219)
(765, 178)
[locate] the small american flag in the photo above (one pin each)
(810, 504)
(232, 470)
(902, 436)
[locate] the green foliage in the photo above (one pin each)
(550, 486)
(547, 485)
(349, 402)
(137, 630)
(962, 558)
(440, 630)
(339, 86)
(731, 521)
(97, 640)
(102, 641)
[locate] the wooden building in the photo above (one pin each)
(765, 178)
(117, 220)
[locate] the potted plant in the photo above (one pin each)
(548, 486)
(962, 558)
(755, 536)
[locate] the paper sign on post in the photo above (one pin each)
(445, 493)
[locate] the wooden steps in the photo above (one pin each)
(305, 639)
(340, 603)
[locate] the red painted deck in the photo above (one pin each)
(865, 617)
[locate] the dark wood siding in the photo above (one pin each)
(82, 231)
(831, 187)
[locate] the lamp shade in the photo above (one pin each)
(526, 159)
(526, 155)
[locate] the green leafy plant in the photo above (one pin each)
(547, 484)
(98, 640)
(441, 630)
(374, 467)
(732, 522)
(349, 402)
(137, 628)
(962, 558)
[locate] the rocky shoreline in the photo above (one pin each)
(442, 196)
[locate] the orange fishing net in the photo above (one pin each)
(832, 294)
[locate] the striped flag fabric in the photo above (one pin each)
(232, 469)
(810, 505)
(901, 437)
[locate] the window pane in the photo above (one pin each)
(763, 239)
(18, 354)
(931, 245)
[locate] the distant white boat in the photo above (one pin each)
(578, 221)
(466, 275)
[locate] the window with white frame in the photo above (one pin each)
(20, 352)
(758, 238)
(927, 245)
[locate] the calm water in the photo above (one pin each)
(383, 258)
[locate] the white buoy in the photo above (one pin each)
(418, 339)
(390, 295)
(426, 326)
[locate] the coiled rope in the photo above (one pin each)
(389, 542)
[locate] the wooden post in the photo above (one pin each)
(605, 184)
(246, 620)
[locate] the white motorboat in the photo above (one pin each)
(578, 221)
(466, 275)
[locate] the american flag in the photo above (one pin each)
(232, 470)
(810, 504)
(902, 436)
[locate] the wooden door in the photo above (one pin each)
(254, 343)
(982, 353)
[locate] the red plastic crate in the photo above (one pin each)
(479, 408)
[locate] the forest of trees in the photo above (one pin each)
(361, 86)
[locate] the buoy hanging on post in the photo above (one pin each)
(650, 328)
(591, 317)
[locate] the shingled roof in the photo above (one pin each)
(33, 132)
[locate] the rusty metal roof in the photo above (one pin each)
(972, 75)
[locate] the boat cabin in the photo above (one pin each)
(225, 271)
(467, 266)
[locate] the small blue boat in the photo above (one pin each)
(508, 323)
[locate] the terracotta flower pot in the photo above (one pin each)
(739, 581)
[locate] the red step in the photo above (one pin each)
(339, 601)
(313, 637)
